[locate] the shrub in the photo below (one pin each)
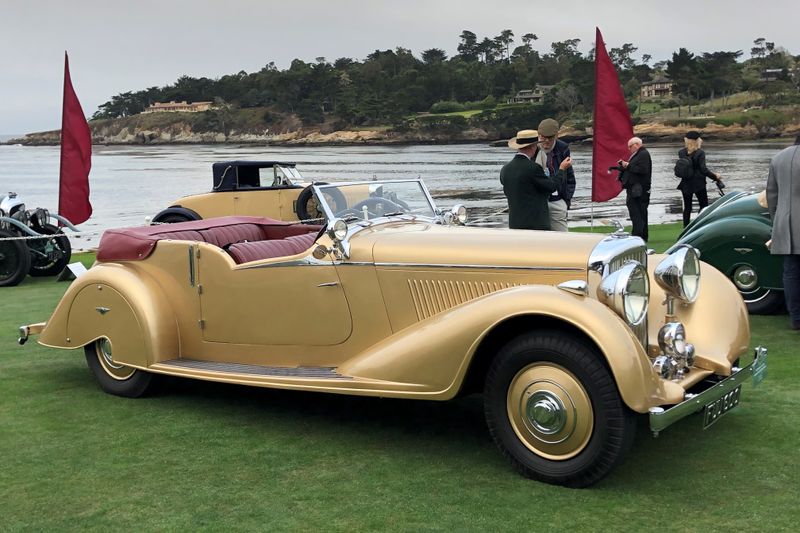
(446, 106)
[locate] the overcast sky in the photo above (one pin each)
(117, 46)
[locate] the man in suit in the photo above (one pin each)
(526, 185)
(783, 200)
(550, 154)
(635, 178)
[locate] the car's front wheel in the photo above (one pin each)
(15, 260)
(554, 410)
(49, 256)
(759, 300)
(115, 378)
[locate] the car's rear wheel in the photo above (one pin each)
(554, 410)
(759, 300)
(115, 378)
(49, 256)
(15, 260)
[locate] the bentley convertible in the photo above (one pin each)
(570, 338)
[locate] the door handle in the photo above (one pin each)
(329, 284)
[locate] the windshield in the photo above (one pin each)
(374, 199)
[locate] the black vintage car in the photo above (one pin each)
(45, 252)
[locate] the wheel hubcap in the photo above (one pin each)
(550, 411)
(745, 278)
(106, 358)
(546, 413)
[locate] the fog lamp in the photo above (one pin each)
(672, 339)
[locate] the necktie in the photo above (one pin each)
(550, 169)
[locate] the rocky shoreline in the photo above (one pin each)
(183, 134)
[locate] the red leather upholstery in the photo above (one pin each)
(225, 235)
(131, 244)
(252, 251)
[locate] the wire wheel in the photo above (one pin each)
(15, 261)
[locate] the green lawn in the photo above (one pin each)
(204, 456)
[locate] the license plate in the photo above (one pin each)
(714, 410)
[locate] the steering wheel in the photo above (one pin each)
(380, 206)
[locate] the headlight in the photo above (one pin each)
(457, 215)
(627, 292)
(338, 229)
(39, 216)
(679, 274)
(672, 339)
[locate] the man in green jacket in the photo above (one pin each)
(527, 186)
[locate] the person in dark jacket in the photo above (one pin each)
(636, 178)
(696, 184)
(783, 201)
(550, 154)
(526, 185)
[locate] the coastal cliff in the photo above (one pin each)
(194, 128)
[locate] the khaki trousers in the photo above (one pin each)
(558, 215)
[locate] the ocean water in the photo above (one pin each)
(130, 183)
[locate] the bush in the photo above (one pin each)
(447, 106)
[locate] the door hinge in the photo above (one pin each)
(201, 323)
(199, 289)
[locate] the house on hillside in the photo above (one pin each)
(772, 74)
(193, 107)
(531, 96)
(658, 88)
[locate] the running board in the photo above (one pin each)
(310, 372)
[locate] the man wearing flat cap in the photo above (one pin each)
(527, 186)
(549, 156)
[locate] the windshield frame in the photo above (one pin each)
(331, 216)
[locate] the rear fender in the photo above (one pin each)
(110, 301)
(433, 356)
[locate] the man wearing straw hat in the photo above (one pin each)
(527, 186)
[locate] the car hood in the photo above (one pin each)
(431, 244)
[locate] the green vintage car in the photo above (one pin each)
(732, 234)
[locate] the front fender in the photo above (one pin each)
(440, 352)
(113, 302)
(729, 242)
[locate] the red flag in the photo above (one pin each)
(612, 125)
(76, 156)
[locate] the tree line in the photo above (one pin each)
(392, 84)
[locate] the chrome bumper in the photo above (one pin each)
(661, 418)
(27, 331)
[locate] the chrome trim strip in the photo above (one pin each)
(309, 261)
(191, 265)
(480, 267)
(661, 418)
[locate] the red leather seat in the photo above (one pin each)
(253, 251)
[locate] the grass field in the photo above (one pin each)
(212, 457)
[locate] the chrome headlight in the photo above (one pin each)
(627, 292)
(457, 215)
(338, 229)
(672, 339)
(39, 216)
(679, 274)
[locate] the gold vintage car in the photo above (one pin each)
(570, 337)
(271, 189)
